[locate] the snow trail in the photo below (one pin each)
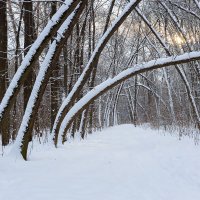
(119, 163)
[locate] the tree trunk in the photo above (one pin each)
(3, 67)
(54, 80)
(28, 40)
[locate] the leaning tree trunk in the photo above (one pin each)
(33, 54)
(42, 79)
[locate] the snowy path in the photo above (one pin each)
(120, 163)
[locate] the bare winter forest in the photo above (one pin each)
(76, 66)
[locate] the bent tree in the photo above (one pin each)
(133, 33)
(110, 83)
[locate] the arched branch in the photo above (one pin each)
(124, 75)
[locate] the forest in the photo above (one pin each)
(77, 66)
(99, 99)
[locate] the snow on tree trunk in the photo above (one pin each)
(32, 55)
(21, 143)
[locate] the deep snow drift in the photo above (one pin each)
(119, 163)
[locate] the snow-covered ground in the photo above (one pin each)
(119, 163)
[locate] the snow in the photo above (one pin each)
(119, 163)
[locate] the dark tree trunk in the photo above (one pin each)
(28, 40)
(3, 67)
(54, 81)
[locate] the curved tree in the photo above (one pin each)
(124, 75)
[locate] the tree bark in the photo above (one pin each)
(4, 67)
(28, 40)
